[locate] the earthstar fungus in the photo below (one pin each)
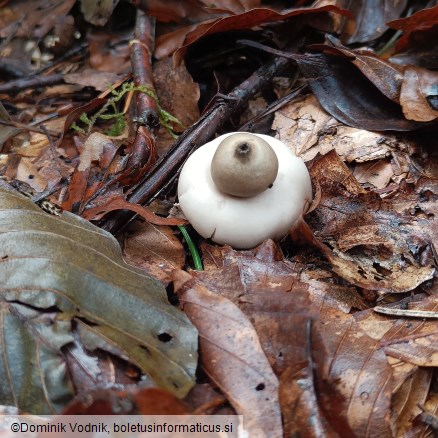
(241, 188)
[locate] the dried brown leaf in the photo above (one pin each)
(34, 19)
(88, 77)
(167, 11)
(369, 245)
(283, 309)
(97, 149)
(420, 348)
(309, 130)
(377, 174)
(154, 249)
(179, 95)
(180, 39)
(232, 356)
(408, 399)
(238, 274)
(358, 374)
(299, 401)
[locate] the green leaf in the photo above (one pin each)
(62, 277)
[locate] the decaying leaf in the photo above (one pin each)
(284, 301)
(417, 347)
(98, 148)
(361, 364)
(34, 19)
(61, 277)
(368, 244)
(232, 356)
(237, 275)
(308, 130)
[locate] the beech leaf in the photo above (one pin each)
(63, 278)
(232, 356)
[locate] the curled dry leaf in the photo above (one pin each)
(120, 203)
(420, 21)
(308, 130)
(61, 278)
(418, 84)
(359, 103)
(387, 77)
(180, 39)
(98, 148)
(167, 11)
(232, 356)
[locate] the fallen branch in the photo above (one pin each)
(143, 153)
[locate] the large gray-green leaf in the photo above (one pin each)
(62, 277)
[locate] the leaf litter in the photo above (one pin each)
(286, 329)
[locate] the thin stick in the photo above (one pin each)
(32, 82)
(406, 313)
(30, 128)
(143, 147)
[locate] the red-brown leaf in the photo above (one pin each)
(120, 203)
(420, 21)
(182, 38)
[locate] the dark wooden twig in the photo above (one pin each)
(32, 82)
(195, 136)
(36, 79)
(30, 128)
(143, 148)
(273, 107)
